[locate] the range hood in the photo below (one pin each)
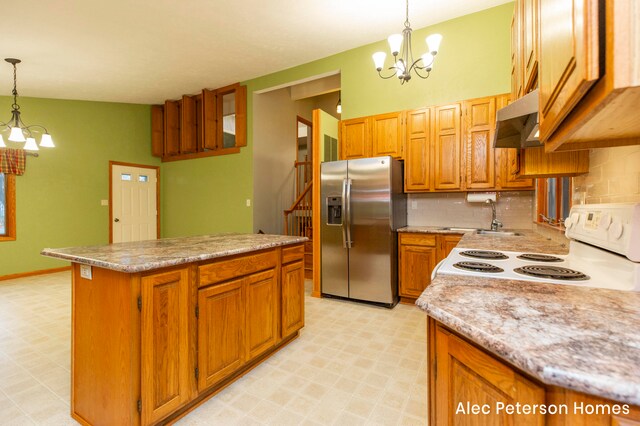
(517, 123)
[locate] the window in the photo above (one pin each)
(7, 207)
(554, 200)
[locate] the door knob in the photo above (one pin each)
(116, 220)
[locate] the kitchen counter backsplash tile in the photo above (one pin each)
(514, 209)
(583, 339)
(154, 254)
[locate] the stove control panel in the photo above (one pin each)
(615, 227)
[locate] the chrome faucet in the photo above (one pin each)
(495, 223)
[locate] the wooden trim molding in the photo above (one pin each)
(10, 193)
(144, 166)
(34, 273)
(315, 203)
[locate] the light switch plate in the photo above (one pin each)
(85, 271)
(248, 202)
(104, 202)
(414, 205)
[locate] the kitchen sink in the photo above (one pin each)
(460, 229)
(499, 233)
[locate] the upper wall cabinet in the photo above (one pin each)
(213, 122)
(372, 136)
(582, 55)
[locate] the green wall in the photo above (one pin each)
(209, 195)
(58, 197)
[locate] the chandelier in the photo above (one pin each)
(20, 132)
(403, 63)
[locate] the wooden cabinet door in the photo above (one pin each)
(446, 244)
(417, 164)
(171, 128)
(354, 138)
(209, 123)
(569, 57)
(464, 374)
(188, 128)
(157, 130)
(166, 373)
(447, 148)
(416, 265)
(221, 324)
(516, 52)
(387, 131)
(292, 298)
(261, 309)
(529, 43)
(508, 164)
(480, 123)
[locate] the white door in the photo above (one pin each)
(134, 209)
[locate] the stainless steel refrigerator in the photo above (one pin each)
(362, 207)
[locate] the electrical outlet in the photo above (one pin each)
(248, 202)
(414, 205)
(85, 271)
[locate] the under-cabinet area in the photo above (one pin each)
(147, 346)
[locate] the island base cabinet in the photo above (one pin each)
(292, 298)
(221, 326)
(262, 312)
(166, 376)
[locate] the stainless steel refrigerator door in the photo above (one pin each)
(372, 256)
(334, 254)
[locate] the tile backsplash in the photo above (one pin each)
(614, 177)
(514, 210)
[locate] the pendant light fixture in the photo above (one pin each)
(403, 63)
(339, 104)
(18, 131)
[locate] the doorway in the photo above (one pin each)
(134, 195)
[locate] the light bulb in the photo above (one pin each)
(46, 141)
(433, 41)
(339, 107)
(31, 145)
(16, 135)
(395, 41)
(427, 61)
(399, 69)
(378, 59)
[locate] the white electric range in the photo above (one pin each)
(604, 252)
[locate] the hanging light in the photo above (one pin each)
(403, 63)
(17, 128)
(339, 104)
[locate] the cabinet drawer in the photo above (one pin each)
(418, 239)
(289, 254)
(226, 269)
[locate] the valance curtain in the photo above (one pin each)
(12, 161)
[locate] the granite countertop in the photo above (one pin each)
(154, 254)
(578, 338)
(430, 230)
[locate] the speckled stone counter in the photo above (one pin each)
(430, 230)
(154, 254)
(584, 339)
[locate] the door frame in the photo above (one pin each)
(143, 166)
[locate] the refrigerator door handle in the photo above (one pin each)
(344, 213)
(348, 213)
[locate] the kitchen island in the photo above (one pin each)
(496, 341)
(159, 326)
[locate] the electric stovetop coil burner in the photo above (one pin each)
(552, 272)
(482, 254)
(478, 267)
(539, 257)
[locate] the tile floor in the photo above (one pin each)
(352, 364)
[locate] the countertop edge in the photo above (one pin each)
(165, 263)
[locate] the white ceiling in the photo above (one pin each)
(146, 51)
